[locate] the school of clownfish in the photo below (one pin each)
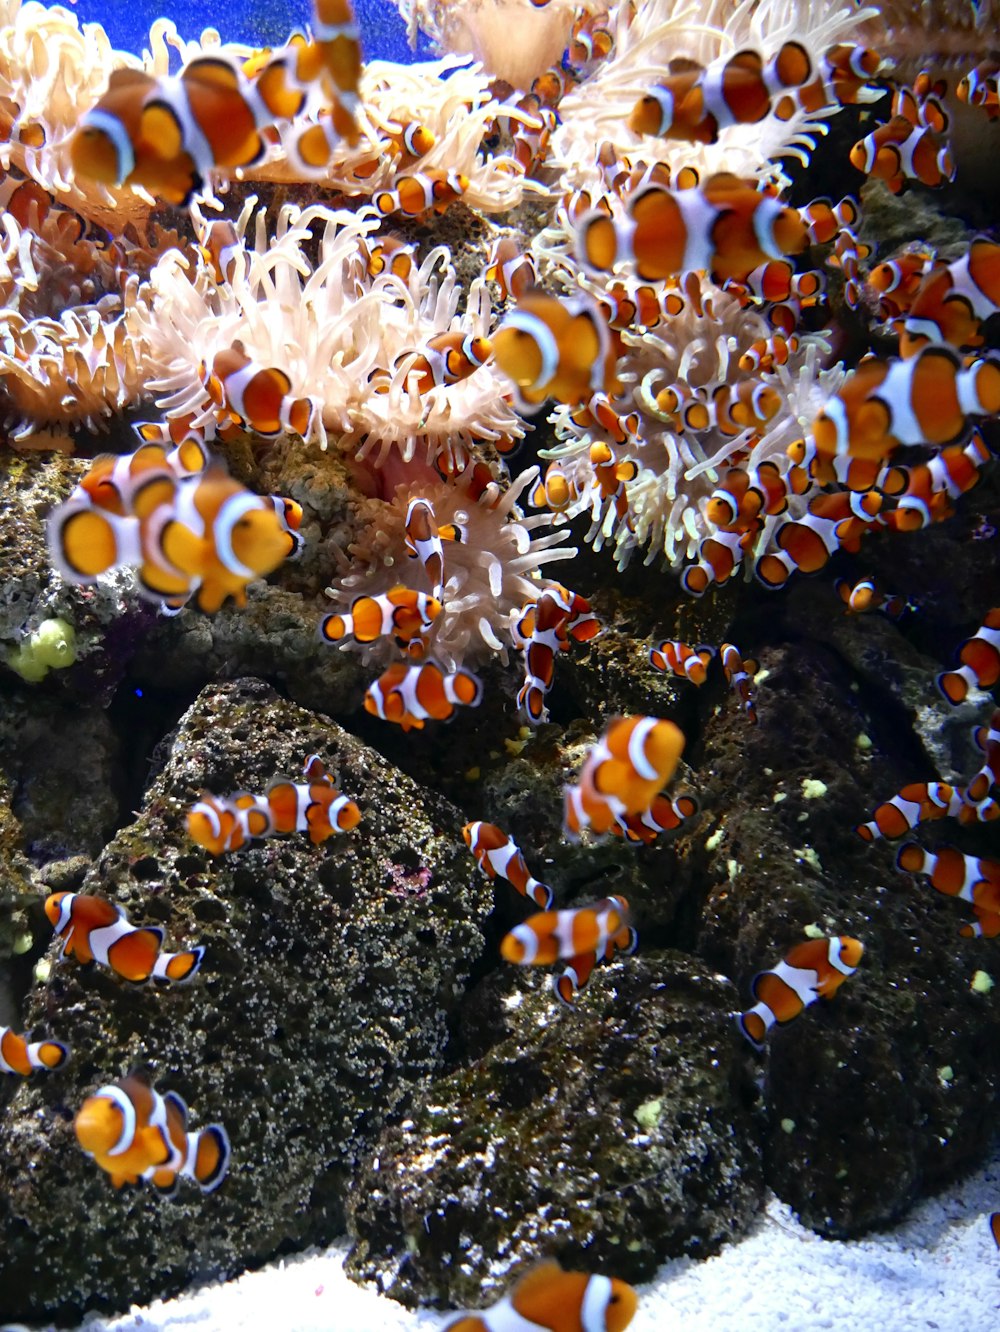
(193, 535)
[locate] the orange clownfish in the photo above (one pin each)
(663, 815)
(980, 658)
(421, 191)
(551, 936)
(725, 227)
(446, 358)
(256, 397)
(134, 1133)
(496, 854)
(899, 151)
(719, 556)
(556, 348)
(550, 1300)
(405, 614)
(925, 400)
(582, 937)
(676, 658)
(952, 301)
(412, 695)
(622, 774)
(987, 739)
(863, 596)
(513, 272)
(739, 672)
(543, 630)
(315, 806)
(204, 536)
(425, 539)
(693, 103)
(18, 1055)
(92, 929)
(954, 873)
(919, 802)
(166, 134)
(813, 970)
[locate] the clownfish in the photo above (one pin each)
(134, 1133)
(551, 936)
(995, 1227)
(424, 540)
(742, 496)
(901, 150)
(556, 490)
(725, 227)
(834, 521)
(421, 192)
(92, 929)
(557, 348)
(676, 658)
(513, 272)
(693, 102)
(639, 305)
(590, 39)
(387, 254)
(719, 556)
(203, 536)
(257, 397)
(663, 815)
(497, 854)
(764, 354)
(952, 301)
(981, 87)
(739, 672)
(315, 806)
(919, 802)
(954, 873)
(980, 658)
(220, 249)
(987, 739)
(407, 615)
(446, 358)
(864, 596)
(622, 774)
(813, 970)
(167, 134)
(925, 400)
(547, 1299)
(18, 1055)
(542, 629)
(897, 281)
(412, 695)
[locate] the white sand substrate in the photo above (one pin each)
(939, 1271)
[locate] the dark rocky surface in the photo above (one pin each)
(322, 1003)
(615, 1136)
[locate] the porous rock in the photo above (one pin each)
(323, 1000)
(881, 1094)
(613, 1136)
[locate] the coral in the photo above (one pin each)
(52, 646)
(490, 573)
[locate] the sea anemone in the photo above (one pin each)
(514, 39)
(489, 575)
(647, 39)
(330, 327)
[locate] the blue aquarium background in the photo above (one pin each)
(257, 23)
